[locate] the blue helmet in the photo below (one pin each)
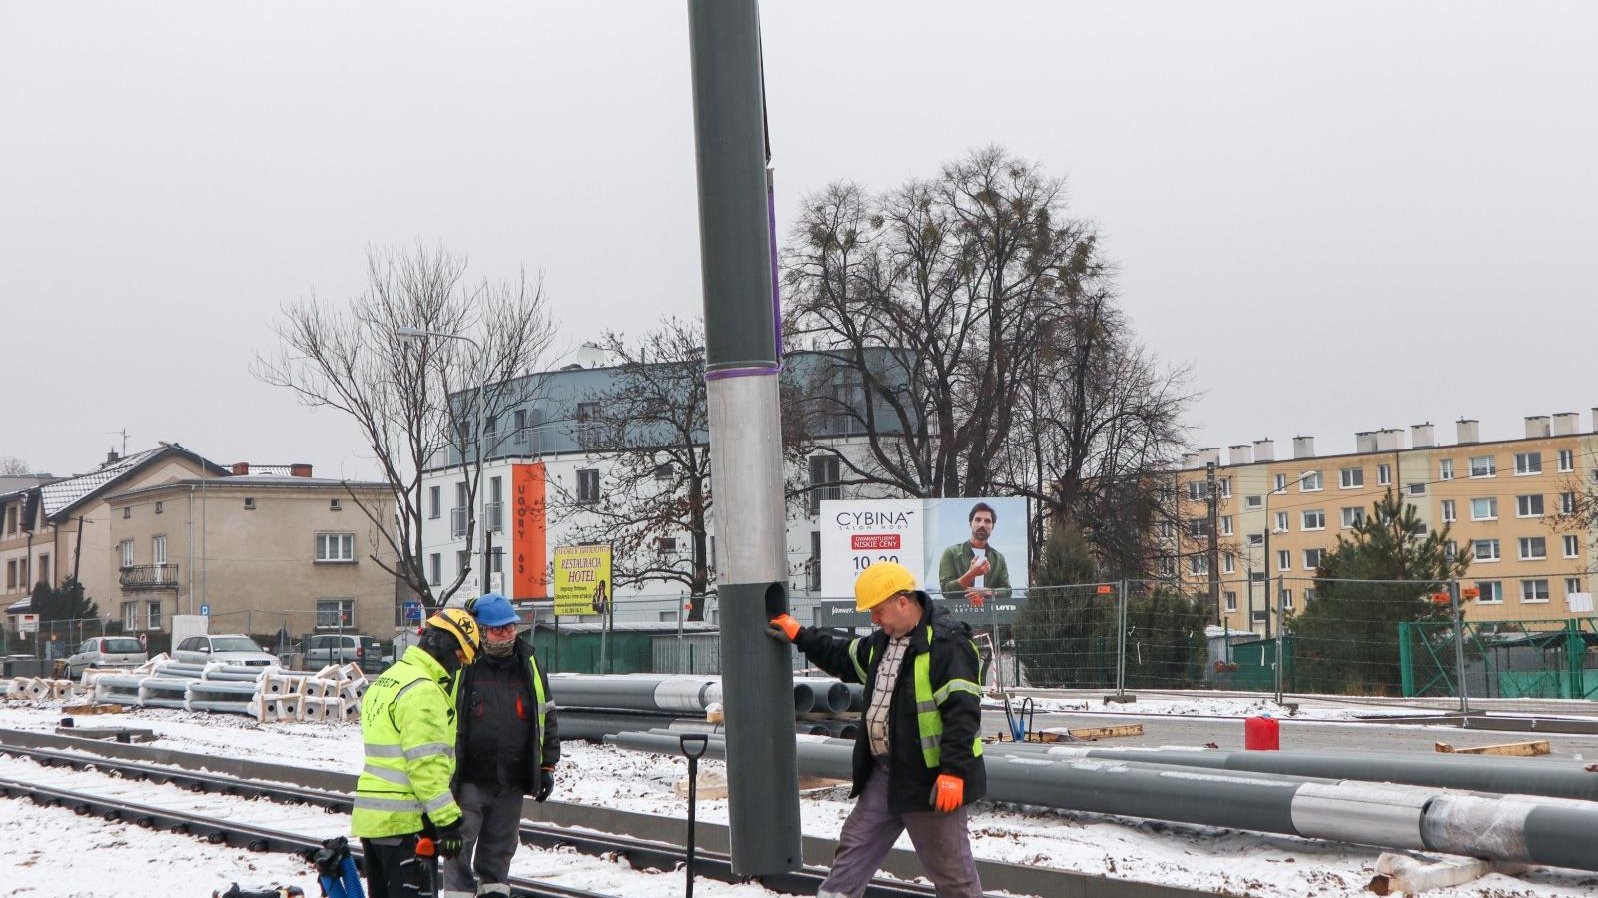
(492, 610)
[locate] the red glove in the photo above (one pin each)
(948, 793)
(785, 625)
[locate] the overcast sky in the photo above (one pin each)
(1343, 216)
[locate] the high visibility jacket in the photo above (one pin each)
(543, 748)
(934, 714)
(408, 724)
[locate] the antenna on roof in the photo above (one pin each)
(124, 434)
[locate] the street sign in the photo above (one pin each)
(413, 610)
(205, 610)
(27, 623)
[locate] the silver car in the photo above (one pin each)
(106, 651)
(228, 648)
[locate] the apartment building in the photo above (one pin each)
(1500, 500)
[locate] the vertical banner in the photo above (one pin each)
(528, 580)
(857, 532)
(582, 579)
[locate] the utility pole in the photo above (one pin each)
(1214, 546)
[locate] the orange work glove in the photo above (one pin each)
(948, 793)
(784, 627)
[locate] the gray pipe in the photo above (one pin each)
(1502, 828)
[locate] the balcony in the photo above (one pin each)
(494, 516)
(149, 576)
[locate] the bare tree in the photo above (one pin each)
(420, 403)
(11, 465)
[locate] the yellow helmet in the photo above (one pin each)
(880, 581)
(461, 625)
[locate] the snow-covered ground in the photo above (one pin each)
(47, 849)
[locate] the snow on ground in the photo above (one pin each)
(1204, 858)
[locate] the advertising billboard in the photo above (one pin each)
(582, 580)
(969, 551)
(529, 579)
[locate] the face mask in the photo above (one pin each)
(499, 649)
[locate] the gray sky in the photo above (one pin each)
(1344, 216)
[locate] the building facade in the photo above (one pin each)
(1501, 501)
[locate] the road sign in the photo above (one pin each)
(205, 610)
(413, 610)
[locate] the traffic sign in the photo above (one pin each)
(413, 610)
(205, 610)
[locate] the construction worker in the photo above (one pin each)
(918, 758)
(408, 724)
(506, 749)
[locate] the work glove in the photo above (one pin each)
(783, 628)
(948, 793)
(546, 783)
(449, 840)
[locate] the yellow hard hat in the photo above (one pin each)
(879, 581)
(463, 627)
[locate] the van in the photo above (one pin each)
(106, 651)
(320, 651)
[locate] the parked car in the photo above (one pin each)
(228, 648)
(106, 651)
(346, 648)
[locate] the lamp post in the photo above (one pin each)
(416, 333)
(1268, 525)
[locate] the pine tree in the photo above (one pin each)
(1064, 634)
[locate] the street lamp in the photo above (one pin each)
(1267, 566)
(416, 333)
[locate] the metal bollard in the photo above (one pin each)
(693, 747)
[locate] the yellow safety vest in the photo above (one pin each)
(408, 725)
(929, 723)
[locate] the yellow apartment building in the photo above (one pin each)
(1500, 500)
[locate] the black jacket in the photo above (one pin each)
(542, 749)
(954, 657)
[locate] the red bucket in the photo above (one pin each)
(1261, 734)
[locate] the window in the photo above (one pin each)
(44, 566)
(1284, 598)
(1197, 528)
(1384, 474)
(1484, 549)
(1418, 488)
(1226, 524)
(824, 476)
(588, 486)
(1484, 509)
(1167, 529)
(1353, 517)
(1251, 501)
(127, 552)
(1256, 539)
(463, 561)
(1197, 490)
(335, 614)
(1482, 466)
(494, 508)
(335, 505)
(1315, 519)
(1572, 584)
(1445, 469)
(1198, 565)
(490, 425)
(1450, 512)
(1525, 463)
(519, 423)
(11, 574)
(158, 549)
(1281, 522)
(1533, 548)
(1534, 590)
(1567, 460)
(1280, 483)
(127, 512)
(1228, 563)
(1450, 549)
(1421, 528)
(434, 500)
(1572, 545)
(1225, 486)
(130, 615)
(815, 561)
(153, 614)
(249, 503)
(1529, 506)
(1312, 558)
(665, 545)
(663, 471)
(335, 547)
(457, 512)
(1309, 596)
(435, 569)
(1311, 482)
(160, 507)
(1351, 478)
(1230, 597)
(1284, 560)
(587, 411)
(1491, 592)
(1167, 566)
(1256, 576)
(1567, 503)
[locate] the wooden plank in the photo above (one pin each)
(1095, 733)
(1513, 749)
(92, 709)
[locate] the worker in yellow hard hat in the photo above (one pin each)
(918, 758)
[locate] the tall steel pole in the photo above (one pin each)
(742, 360)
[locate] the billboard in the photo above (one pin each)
(529, 579)
(582, 579)
(969, 551)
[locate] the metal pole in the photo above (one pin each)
(679, 638)
(1120, 649)
(1459, 652)
(742, 361)
(1281, 618)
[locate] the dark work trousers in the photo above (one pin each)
(394, 871)
(491, 818)
(940, 840)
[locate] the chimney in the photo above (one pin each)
(1240, 454)
(1189, 460)
(1536, 426)
(1265, 450)
(1209, 456)
(1469, 431)
(1303, 447)
(1389, 440)
(1421, 436)
(1365, 441)
(241, 467)
(1565, 423)
(111, 456)
(299, 469)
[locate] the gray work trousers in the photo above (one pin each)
(491, 819)
(940, 840)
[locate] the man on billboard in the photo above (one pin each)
(974, 567)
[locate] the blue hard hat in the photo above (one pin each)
(492, 610)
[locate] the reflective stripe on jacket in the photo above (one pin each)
(408, 725)
(544, 747)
